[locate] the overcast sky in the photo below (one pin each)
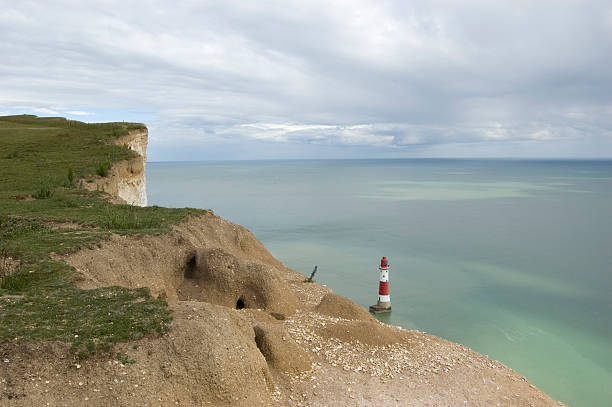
(306, 79)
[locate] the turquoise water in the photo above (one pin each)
(511, 258)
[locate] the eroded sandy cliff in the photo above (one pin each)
(249, 331)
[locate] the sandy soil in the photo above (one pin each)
(292, 343)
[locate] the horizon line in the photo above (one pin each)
(394, 159)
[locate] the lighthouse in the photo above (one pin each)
(384, 299)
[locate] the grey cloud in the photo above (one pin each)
(401, 76)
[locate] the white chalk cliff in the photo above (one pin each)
(132, 185)
(126, 179)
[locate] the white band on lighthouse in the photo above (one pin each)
(384, 298)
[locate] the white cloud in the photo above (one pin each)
(543, 134)
(385, 74)
(45, 111)
(80, 113)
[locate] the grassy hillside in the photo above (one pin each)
(43, 211)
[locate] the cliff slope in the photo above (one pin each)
(249, 331)
(246, 331)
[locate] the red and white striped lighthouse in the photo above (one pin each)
(384, 299)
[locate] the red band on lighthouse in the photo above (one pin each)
(383, 288)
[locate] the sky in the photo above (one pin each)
(216, 80)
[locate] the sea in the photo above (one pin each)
(512, 258)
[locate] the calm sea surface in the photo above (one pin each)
(511, 258)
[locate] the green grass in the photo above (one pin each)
(88, 319)
(41, 160)
(103, 168)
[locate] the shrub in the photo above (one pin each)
(43, 192)
(13, 154)
(15, 282)
(103, 167)
(70, 176)
(5, 264)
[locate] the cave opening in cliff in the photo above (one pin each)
(189, 288)
(190, 268)
(240, 304)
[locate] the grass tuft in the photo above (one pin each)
(5, 262)
(103, 167)
(43, 192)
(70, 177)
(14, 283)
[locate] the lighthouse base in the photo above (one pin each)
(380, 308)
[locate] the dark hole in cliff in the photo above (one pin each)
(189, 289)
(240, 304)
(190, 268)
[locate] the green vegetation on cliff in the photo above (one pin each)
(43, 212)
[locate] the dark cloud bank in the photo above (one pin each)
(271, 79)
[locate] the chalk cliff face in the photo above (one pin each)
(131, 186)
(126, 179)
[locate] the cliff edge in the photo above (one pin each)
(246, 331)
